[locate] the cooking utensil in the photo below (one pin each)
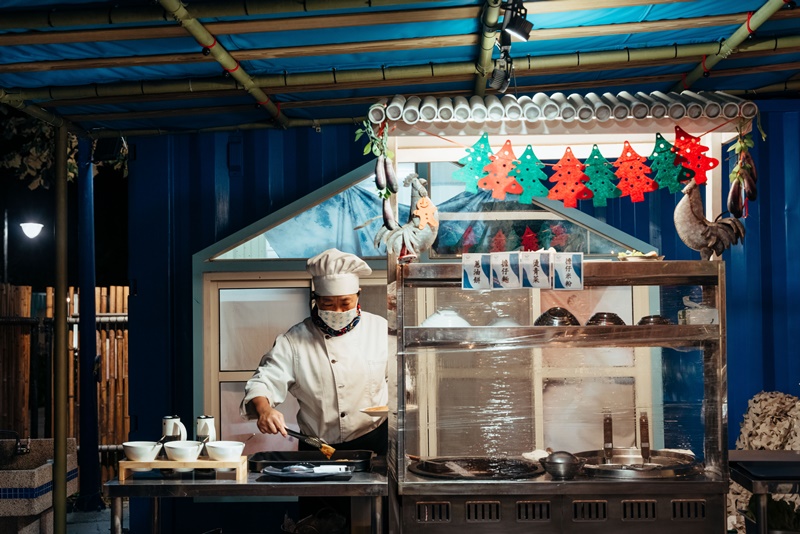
(608, 437)
(562, 465)
(627, 463)
(644, 433)
(314, 441)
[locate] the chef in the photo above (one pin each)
(334, 363)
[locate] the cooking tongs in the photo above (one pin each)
(313, 441)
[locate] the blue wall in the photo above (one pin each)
(183, 197)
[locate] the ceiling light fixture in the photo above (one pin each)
(503, 67)
(515, 21)
(31, 229)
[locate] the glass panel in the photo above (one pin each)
(251, 319)
(476, 222)
(232, 427)
(348, 221)
(574, 409)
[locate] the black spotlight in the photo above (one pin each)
(515, 21)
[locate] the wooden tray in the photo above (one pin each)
(126, 467)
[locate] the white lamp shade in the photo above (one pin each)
(31, 229)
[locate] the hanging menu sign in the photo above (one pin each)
(505, 270)
(476, 271)
(568, 271)
(537, 269)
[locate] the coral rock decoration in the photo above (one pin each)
(569, 177)
(632, 174)
(498, 181)
(598, 169)
(690, 155)
(669, 174)
(529, 174)
(476, 159)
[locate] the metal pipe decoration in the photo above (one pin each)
(90, 495)
(494, 109)
(483, 66)
(445, 110)
(727, 46)
(223, 57)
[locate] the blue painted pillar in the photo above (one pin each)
(88, 456)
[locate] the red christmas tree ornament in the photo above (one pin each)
(530, 242)
(498, 180)
(632, 174)
(690, 154)
(498, 242)
(570, 181)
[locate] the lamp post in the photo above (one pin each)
(31, 229)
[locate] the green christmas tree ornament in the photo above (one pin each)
(600, 173)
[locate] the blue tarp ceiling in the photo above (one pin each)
(129, 66)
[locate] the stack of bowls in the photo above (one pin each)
(557, 317)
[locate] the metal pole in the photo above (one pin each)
(90, 498)
(60, 390)
(5, 246)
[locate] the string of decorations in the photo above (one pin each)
(596, 178)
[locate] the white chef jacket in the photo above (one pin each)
(332, 378)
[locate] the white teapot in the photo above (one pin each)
(205, 428)
(172, 428)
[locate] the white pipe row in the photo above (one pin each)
(560, 106)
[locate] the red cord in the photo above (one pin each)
(212, 45)
(683, 79)
(234, 69)
(749, 16)
(704, 64)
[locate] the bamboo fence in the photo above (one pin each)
(15, 359)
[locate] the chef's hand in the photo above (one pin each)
(270, 420)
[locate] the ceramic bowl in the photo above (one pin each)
(605, 319)
(224, 451)
(654, 319)
(444, 319)
(504, 321)
(183, 451)
(141, 451)
(557, 317)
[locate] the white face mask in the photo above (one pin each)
(338, 320)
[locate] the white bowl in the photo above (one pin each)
(444, 319)
(225, 451)
(141, 451)
(183, 451)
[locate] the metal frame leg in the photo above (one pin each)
(761, 513)
(116, 515)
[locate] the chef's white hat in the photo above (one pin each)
(336, 273)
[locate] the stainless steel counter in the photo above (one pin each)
(365, 490)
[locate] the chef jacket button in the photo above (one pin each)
(341, 386)
(342, 414)
(333, 361)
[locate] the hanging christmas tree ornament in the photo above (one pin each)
(529, 174)
(498, 242)
(691, 155)
(467, 240)
(598, 169)
(570, 181)
(498, 181)
(512, 239)
(476, 159)
(669, 174)
(632, 174)
(530, 242)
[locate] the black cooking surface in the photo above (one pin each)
(461, 468)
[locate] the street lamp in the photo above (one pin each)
(31, 230)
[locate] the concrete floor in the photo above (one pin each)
(95, 522)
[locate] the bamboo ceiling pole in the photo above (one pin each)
(491, 14)
(60, 338)
(231, 65)
(727, 47)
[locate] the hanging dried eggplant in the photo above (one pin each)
(380, 173)
(391, 175)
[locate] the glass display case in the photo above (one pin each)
(626, 375)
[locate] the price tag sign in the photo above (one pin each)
(537, 269)
(505, 270)
(568, 271)
(476, 271)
